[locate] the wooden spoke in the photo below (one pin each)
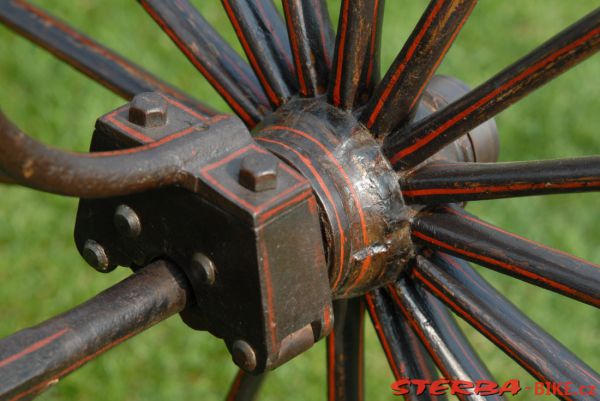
(345, 353)
(312, 39)
(461, 182)
(97, 62)
(471, 297)
(398, 93)
(411, 145)
(245, 387)
(443, 339)
(455, 231)
(212, 56)
(263, 36)
(403, 349)
(371, 70)
(357, 19)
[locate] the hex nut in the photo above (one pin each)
(243, 355)
(95, 255)
(148, 110)
(258, 172)
(127, 222)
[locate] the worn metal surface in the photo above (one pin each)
(364, 216)
(36, 358)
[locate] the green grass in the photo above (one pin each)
(42, 274)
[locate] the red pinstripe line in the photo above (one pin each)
(340, 52)
(235, 387)
(483, 223)
(367, 262)
(190, 55)
(498, 188)
(251, 56)
(323, 186)
(372, 43)
(71, 368)
(507, 266)
(271, 322)
(479, 326)
(34, 347)
(382, 338)
(331, 366)
(401, 67)
(295, 49)
(466, 112)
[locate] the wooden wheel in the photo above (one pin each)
(308, 95)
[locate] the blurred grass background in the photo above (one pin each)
(41, 273)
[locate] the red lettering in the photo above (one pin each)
(439, 387)
(421, 385)
(399, 387)
(486, 387)
(512, 386)
(459, 386)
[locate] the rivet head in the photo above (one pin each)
(243, 355)
(148, 110)
(258, 172)
(127, 222)
(203, 268)
(95, 255)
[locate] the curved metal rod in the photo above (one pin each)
(95, 175)
(34, 359)
(102, 65)
(461, 182)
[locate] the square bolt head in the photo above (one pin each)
(258, 172)
(148, 110)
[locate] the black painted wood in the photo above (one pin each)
(245, 387)
(262, 33)
(226, 71)
(312, 40)
(473, 299)
(453, 230)
(461, 182)
(396, 97)
(104, 66)
(411, 145)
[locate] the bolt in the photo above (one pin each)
(258, 172)
(148, 110)
(95, 255)
(243, 355)
(203, 269)
(127, 222)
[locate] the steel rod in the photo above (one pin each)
(345, 352)
(397, 95)
(403, 349)
(461, 182)
(453, 230)
(97, 62)
(263, 35)
(100, 174)
(245, 387)
(36, 358)
(411, 145)
(312, 41)
(472, 298)
(357, 18)
(226, 71)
